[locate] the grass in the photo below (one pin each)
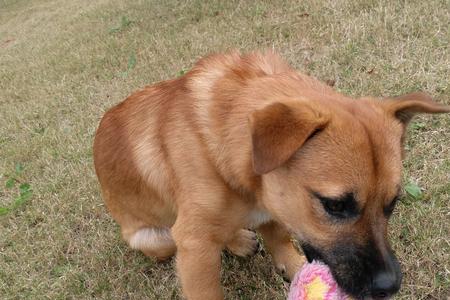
(63, 63)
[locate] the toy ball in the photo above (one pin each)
(314, 281)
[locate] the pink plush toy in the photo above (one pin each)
(315, 282)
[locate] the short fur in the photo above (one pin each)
(245, 141)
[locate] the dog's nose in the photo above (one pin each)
(384, 285)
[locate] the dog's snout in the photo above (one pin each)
(384, 285)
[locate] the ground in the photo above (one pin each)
(64, 62)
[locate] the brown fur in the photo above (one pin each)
(239, 142)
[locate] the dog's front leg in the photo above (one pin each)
(198, 259)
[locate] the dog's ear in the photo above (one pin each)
(403, 108)
(279, 129)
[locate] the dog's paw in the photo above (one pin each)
(244, 243)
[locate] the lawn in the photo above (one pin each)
(63, 63)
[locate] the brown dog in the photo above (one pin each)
(244, 141)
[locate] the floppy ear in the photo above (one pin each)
(405, 107)
(278, 130)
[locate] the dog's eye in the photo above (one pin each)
(341, 208)
(334, 207)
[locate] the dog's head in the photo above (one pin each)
(331, 173)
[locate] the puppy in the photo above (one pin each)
(187, 165)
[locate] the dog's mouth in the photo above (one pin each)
(312, 254)
(350, 269)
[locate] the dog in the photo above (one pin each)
(243, 141)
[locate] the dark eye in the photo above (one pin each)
(333, 206)
(340, 207)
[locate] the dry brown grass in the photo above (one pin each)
(63, 63)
